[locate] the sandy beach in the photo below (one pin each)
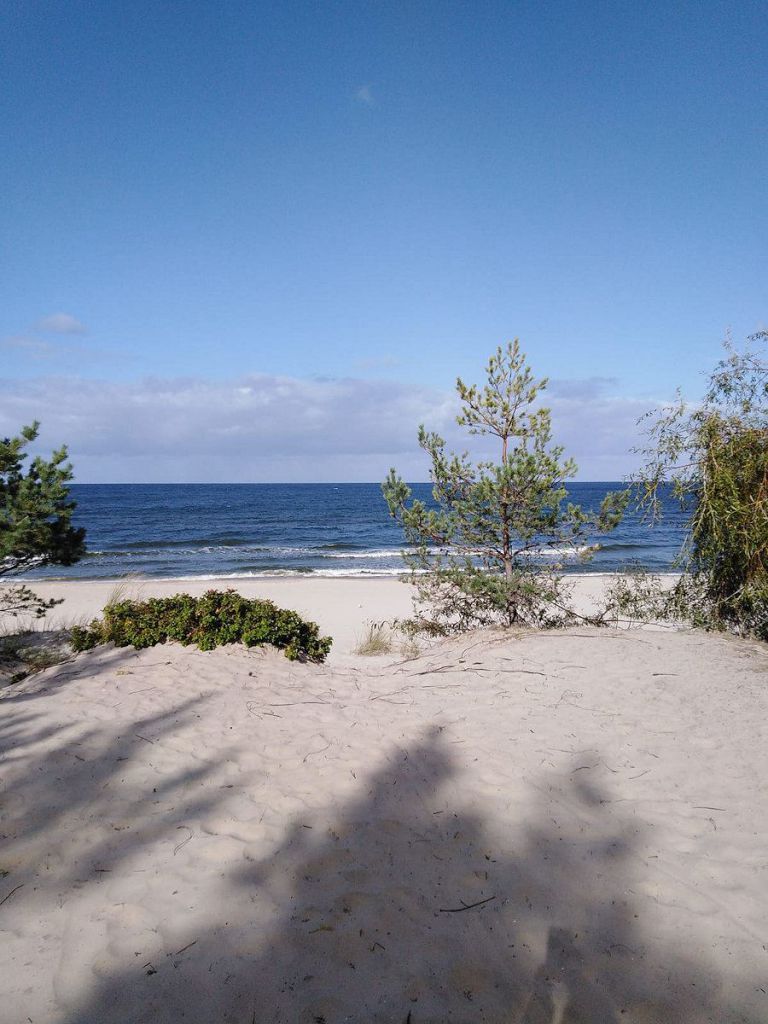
(543, 827)
(342, 607)
(310, 302)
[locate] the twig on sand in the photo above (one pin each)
(465, 906)
(183, 841)
(291, 703)
(183, 949)
(611, 636)
(390, 693)
(311, 752)
(526, 671)
(2, 901)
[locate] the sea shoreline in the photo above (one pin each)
(213, 531)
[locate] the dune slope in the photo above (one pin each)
(546, 828)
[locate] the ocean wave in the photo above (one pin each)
(268, 552)
(272, 553)
(172, 551)
(273, 530)
(565, 552)
(283, 573)
(554, 552)
(373, 553)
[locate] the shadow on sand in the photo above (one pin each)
(406, 909)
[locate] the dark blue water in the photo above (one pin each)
(243, 530)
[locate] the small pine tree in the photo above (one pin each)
(478, 550)
(35, 517)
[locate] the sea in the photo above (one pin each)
(240, 531)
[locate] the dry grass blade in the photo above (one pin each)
(377, 639)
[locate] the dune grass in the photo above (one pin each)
(377, 639)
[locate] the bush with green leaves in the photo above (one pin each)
(492, 546)
(715, 455)
(215, 619)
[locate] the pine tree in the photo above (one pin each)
(477, 557)
(35, 509)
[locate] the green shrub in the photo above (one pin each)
(216, 618)
(730, 526)
(715, 454)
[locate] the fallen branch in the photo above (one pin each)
(183, 841)
(465, 906)
(2, 901)
(291, 703)
(183, 949)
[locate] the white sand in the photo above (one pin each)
(229, 837)
(342, 606)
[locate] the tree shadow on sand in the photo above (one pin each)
(61, 776)
(407, 907)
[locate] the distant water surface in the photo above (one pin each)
(246, 530)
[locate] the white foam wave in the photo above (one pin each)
(315, 555)
(261, 551)
(564, 552)
(382, 553)
(292, 573)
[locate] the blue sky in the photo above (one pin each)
(293, 206)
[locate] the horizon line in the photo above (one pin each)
(273, 483)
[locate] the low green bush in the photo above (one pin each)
(216, 618)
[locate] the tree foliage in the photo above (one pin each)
(715, 455)
(491, 547)
(35, 508)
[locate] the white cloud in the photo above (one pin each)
(265, 428)
(34, 347)
(61, 350)
(365, 96)
(585, 387)
(599, 432)
(61, 323)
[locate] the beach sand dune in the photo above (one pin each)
(342, 607)
(544, 828)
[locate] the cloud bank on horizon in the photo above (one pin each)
(265, 428)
